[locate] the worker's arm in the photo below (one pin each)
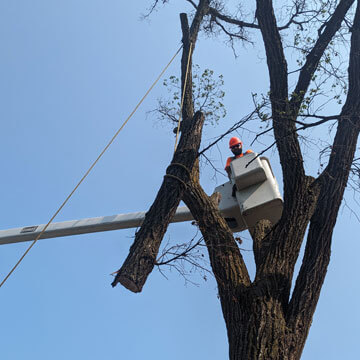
(227, 167)
(228, 173)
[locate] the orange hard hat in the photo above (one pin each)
(234, 141)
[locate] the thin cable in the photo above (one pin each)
(182, 98)
(91, 167)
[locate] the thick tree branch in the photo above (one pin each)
(313, 58)
(201, 11)
(216, 14)
(225, 257)
(284, 129)
(142, 256)
(333, 182)
(243, 24)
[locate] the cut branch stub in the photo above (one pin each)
(143, 253)
(187, 110)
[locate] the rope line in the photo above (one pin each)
(183, 96)
(91, 167)
(177, 178)
(181, 165)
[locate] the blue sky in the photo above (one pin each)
(71, 72)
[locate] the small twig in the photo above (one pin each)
(260, 134)
(181, 255)
(211, 164)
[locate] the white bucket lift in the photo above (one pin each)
(257, 193)
(257, 197)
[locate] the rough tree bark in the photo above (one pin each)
(263, 321)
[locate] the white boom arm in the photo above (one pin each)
(84, 226)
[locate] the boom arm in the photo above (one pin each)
(84, 226)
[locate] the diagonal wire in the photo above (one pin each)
(91, 167)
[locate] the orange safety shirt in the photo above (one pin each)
(231, 158)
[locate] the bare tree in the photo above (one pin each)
(264, 319)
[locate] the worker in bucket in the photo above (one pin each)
(236, 147)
